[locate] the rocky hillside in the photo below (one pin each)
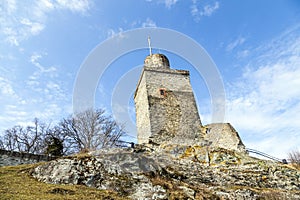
(174, 171)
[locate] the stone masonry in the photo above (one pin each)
(166, 110)
(165, 103)
(224, 135)
(8, 158)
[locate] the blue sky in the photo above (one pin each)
(254, 44)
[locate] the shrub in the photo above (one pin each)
(294, 158)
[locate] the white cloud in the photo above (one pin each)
(6, 88)
(243, 53)
(143, 24)
(34, 28)
(114, 33)
(194, 10)
(74, 5)
(54, 91)
(149, 23)
(239, 41)
(45, 5)
(34, 60)
(20, 20)
(42, 96)
(199, 11)
(208, 10)
(43, 80)
(11, 5)
(264, 104)
(170, 3)
(24, 114)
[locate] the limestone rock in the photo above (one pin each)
(175, 171)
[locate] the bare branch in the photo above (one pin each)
(92, 129)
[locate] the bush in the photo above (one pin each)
(294, 158)
(54, 147)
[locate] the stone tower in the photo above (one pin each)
(165, 105)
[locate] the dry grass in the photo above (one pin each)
(294, 158)
(17, 184)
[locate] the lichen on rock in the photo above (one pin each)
(175, 172)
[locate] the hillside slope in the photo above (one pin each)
(175, 172)
(17, 184)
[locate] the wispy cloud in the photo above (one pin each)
(6, 88)
(119, 32)
(208, 10)
(41, 72)
(237, 42)
(149, 23)
(33, 28)
(115, 33)
(265, 103)
(168, 3)
(34, 59)
(198, 11)
(42, 94)
(21, 20)
(142, 24)
(80, 6)
(243, 53)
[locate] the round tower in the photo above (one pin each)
(157, 61)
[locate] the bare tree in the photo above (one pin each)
(1, 144)
(9, 138)
(294, 158)
(26, 139)
(92, 129)
(88, 130)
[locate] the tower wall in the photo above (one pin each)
(142, 111)
(165, 105)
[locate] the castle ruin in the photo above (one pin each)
(166, 110)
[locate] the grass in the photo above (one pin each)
(17, 184)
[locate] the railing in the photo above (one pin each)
(125, 144)
(284, 161)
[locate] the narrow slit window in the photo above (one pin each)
(162, 92)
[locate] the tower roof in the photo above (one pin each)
(157, 61)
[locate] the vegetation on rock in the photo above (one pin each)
(17, 184)
(175, 172)
(294, 158)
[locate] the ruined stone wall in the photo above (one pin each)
(171, 106)
(225, 136)
(8, 158)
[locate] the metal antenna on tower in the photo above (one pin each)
(149, 43)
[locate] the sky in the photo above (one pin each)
(254, 44)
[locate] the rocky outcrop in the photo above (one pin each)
(174, 171)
